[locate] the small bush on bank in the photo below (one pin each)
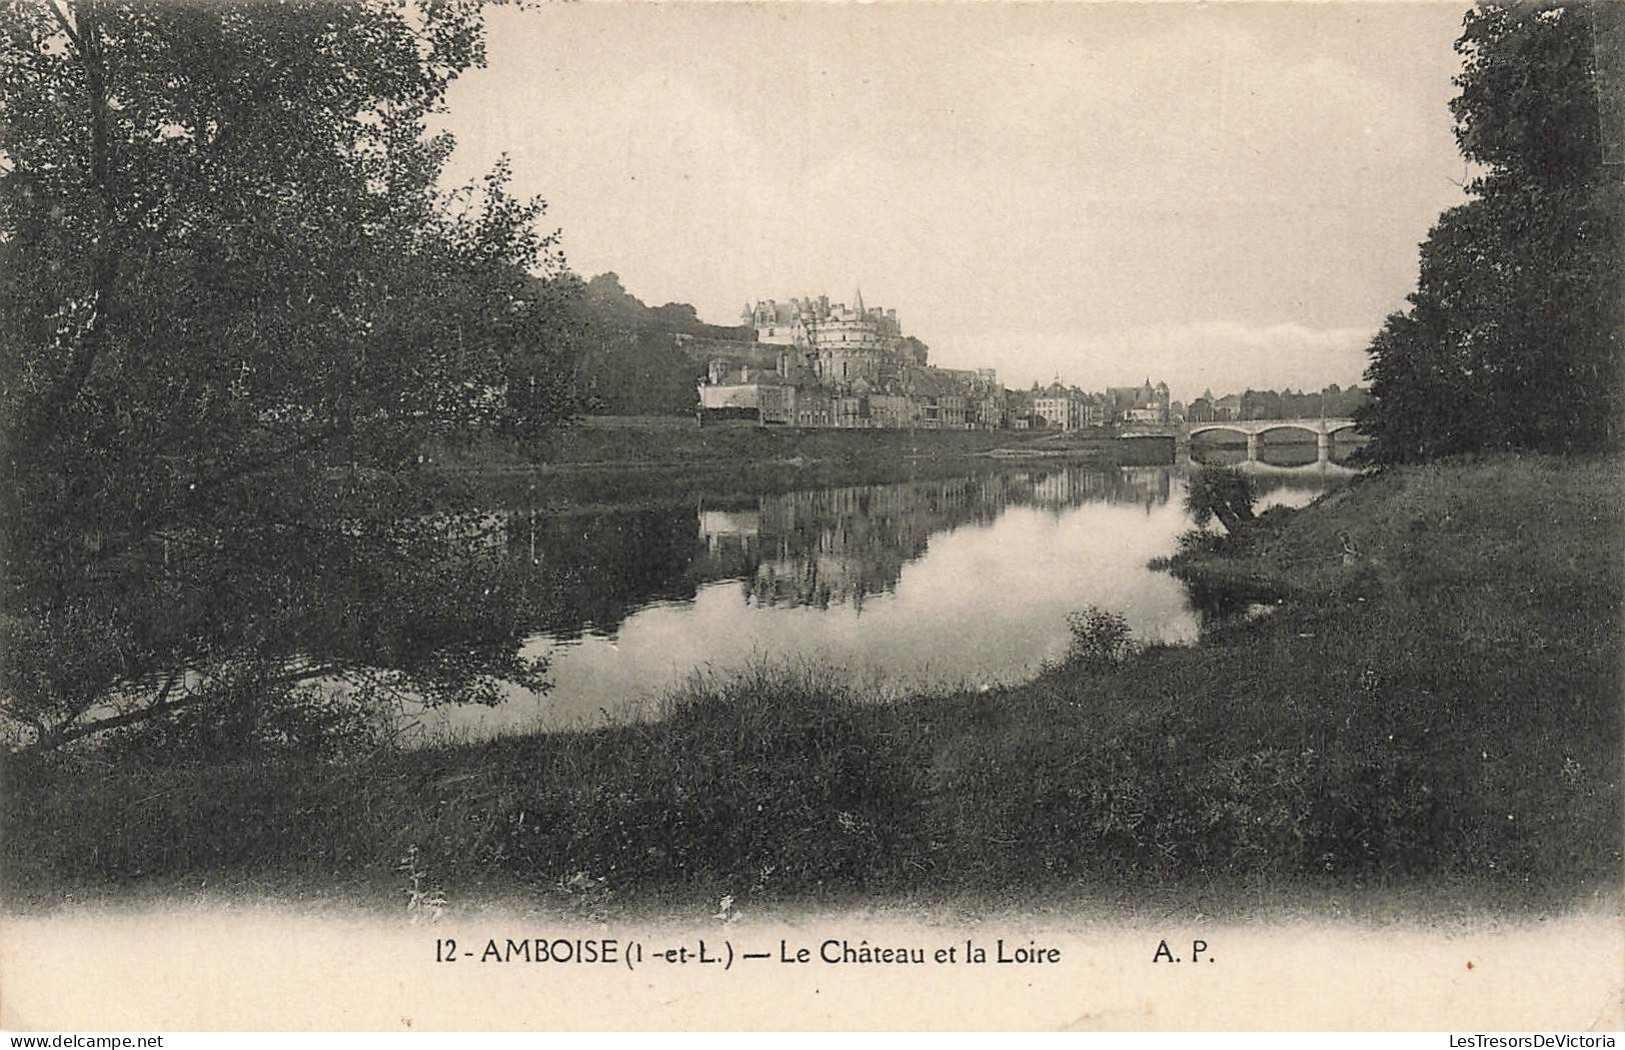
(1100, 639)
(1202, 543)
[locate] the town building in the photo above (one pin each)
(1140, 404)
(845, 366)
(1058, 407)
(814, 363)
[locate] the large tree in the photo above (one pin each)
(235, 305)
(1512, 337)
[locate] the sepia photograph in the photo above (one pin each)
(1098, 516)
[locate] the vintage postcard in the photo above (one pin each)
(946, 516)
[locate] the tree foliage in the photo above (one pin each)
(235, 303)
(631, 361)
(1221, 492)
(914, 351)
(1512, 337)
(1331, 402)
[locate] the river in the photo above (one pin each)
(959, 581)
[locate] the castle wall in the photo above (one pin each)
(730, 396)
(779, 334)
(843, 364)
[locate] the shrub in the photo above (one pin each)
(1221, 492)
(1200, 543)
(1100, 638)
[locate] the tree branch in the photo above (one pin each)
(62, 20)
(69, 731)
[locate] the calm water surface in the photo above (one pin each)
(964, 580)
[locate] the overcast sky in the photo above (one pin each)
(1224, 195)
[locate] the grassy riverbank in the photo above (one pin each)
(1438, 716)
(623, 443)
(607, 440)
(630, 460)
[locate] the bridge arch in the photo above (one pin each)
(1203, 428)
(1323, 430)
(1308, 426)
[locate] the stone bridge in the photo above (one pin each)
(1323, 429)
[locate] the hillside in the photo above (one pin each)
(631, 362)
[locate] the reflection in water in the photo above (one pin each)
(839, 546)
(958, 580)
(1274, 449)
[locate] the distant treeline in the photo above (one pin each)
(1333, 402)
(629, 361)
